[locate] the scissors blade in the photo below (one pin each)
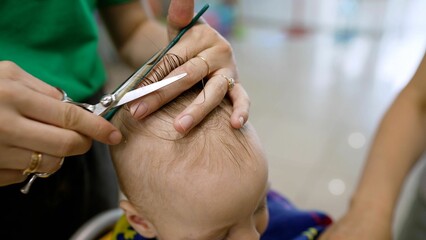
(140, 92)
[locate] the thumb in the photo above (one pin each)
(180, 14)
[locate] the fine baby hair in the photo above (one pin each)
(168, 175)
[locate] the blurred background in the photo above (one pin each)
(320, 74)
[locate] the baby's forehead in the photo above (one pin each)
(218, 200)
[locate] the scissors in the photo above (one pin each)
(110, 103)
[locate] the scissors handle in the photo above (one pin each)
(66, 99)
(26, 188)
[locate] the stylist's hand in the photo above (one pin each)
(34, 120)
(208, 56)
(364, 223)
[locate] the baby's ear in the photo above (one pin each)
(138, 221)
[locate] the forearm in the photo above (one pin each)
(135, 36)
(147, 39)
(399, 142)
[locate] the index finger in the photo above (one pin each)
(69, 116)
(13, 72)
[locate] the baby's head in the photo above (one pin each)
(210, 184)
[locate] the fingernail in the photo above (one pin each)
(241, 119)
(186, 122)
(115, 137)
(138, 110)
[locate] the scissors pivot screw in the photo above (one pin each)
(107, 100)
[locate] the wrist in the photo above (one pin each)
(373, 207)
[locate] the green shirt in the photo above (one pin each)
(56, 41)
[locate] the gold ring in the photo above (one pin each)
(36, 158)
(47, 174)
(231, 82)
(207, 64)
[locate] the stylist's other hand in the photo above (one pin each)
(365, 224)
(33, 119)
(208, 55)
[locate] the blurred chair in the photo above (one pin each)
(98, 226)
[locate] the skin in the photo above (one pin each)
(208, 211)
(211, 199)
(28, 123)
(398, 145)
(210, 45)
